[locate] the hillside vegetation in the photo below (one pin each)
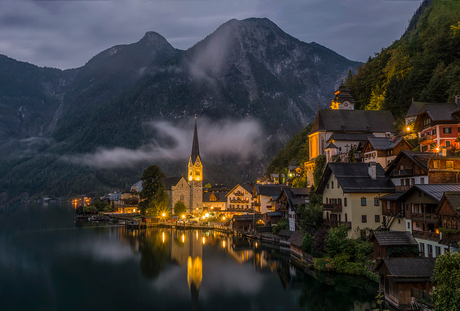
(424, 65)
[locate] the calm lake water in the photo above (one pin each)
(50, 262)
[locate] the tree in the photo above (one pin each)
(336, 240)
(153, 195)
(311, 216)
(300, 182)
(320, 163)
(307, 243)
(446, 274)
(283, 224)
(180, 208)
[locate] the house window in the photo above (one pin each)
(377, 218)
(332, 185)
(448, 143)
(434, 131)
(388, 205)
(422, 249)
(430, 250)
(363, 219)
(338, 185)
(436, 164)
(327, 201)
(438, 251)
(408, 225)
(447, 130)
(422, 180)
(402, 182)
(449, 164)
(363, 201)
(327, 186)
(345, 201)
(376, 201)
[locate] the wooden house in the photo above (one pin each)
(264, 195)
(287, 203)
(295, 242)
(448, 213)
(412, 168)
(240, 200)
(383, 150)
(214, 201)
(245, 223)
(394, 244)
(398, 277)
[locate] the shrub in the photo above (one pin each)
(283, 224)
(307, 242)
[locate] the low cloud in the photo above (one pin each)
(242, 139)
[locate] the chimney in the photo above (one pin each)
(372, 170)
(457, 100)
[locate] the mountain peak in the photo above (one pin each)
(153, 38)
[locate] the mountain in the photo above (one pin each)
(245, 70)
(423, 65)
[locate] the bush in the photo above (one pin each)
(283, 224)
(336, 240)
(307, 242)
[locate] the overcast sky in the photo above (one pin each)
(66, 34)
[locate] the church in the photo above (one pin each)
(188, 190)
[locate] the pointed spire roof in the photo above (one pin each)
(195, 146)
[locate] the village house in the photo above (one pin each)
(383, 150)
(448, 213)
(413, 112)
(338, 130)
(240, 200)
(351, 195)
(438, 126)
(295, 243)
(245, 223)
(394, 244)
(413, 167)
(287, 203)
(128, 202)
(420, 205)
(264, 195)
(399, 278)
(214, 201)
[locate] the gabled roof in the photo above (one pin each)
(269, 190)
(384, 143)
(297, 238)
(249, 188)
(395, 238)
(295, 196)
(453, 197)
(435, 191)
(418, 157)
(171, 181)
(286, 233)
(138, 186)
(354, 177)
(365, 121)
(247, 217)
(361, 137)
(331, 146)
(220, 196)
(440, 112)
(414, 109)
(407, 269)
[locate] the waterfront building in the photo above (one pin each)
(448, 213)
(394, 244)
(240, 200)
(264, 195)
(287, 203)
(214, 201)
(351, 195)
(383, 150)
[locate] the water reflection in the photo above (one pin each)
(58, 263)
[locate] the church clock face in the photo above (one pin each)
(346, 103)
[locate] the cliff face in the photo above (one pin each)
(245, 69)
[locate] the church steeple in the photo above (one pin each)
(195, 146)
(195, 168)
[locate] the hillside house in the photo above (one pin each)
(394, 244)
(351, 193)
(264, 195)
(240, 200)
(448, 213)
(214, 201)
(383, 150)
(287, 203)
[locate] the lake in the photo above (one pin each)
(50, 261)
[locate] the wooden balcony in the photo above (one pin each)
(239, 194)
(402, 188)
(239, 201)
(333, 207)
(335, 223)
(426, 218)
(427, 139)
(432, 236)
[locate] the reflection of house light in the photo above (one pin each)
(197, 234)
(204, 240)
(256, 244)
(163, 237)
(183, 238)
(223, 243)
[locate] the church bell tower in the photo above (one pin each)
(195, 176)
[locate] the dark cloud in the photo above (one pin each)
(66, 34)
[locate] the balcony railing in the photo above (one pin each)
(334, 223)
(426, 139)
(427, 218)
(333, 207)
(239, 201)
(406, 172)
(239, 194)
(432, 236)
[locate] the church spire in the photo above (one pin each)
(195, 146)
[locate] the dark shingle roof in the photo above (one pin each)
(300, 191)
(453, 197)
(220, 196)
(286, 233)
(361, 137)
(354, 121)
(414, 109)
(440, 112)
(170, 181)
(268, 190)
(395, 238)
(392, 196)
(330, 146)
(247, 217)
(354, 177)
(296, 238)
(409, 268)
(384, 143)
(436, 191)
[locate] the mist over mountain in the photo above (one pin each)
(251, 85)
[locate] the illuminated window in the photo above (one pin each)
(449, 164)
(436, 164)
(448, 143)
